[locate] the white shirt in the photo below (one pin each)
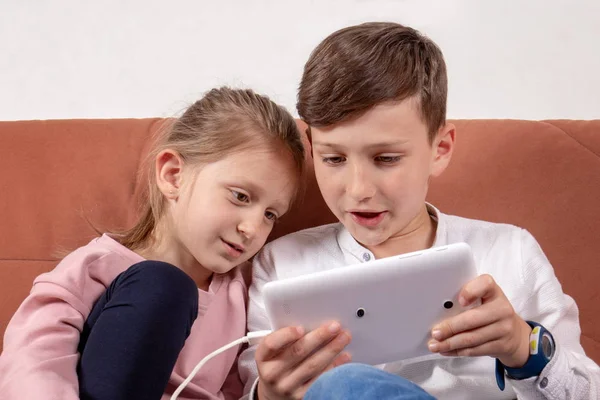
(514, 259)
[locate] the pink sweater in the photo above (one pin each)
(40, 344)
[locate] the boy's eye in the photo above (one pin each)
(387, 159)
(333, 160)
(241, 197)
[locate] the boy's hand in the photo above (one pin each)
(491, 329)
(289, 361)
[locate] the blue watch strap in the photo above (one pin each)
(535, 363)
(500, 380)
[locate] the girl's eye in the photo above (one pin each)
(270, 216)
(387, 159)
(241, 197)
(333, 160)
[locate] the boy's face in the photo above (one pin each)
(373, 171)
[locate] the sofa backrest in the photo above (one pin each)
(60, 178)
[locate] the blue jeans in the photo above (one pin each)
(358, 382)
(134, 334)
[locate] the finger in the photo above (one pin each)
(449, 354)
(316, 363)
(342, 359)
(485, 349)
(309, 343)
(483, 287)
(282, 362)
(474, 318)
(468, 339)
(274, 343)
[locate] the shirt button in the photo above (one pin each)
(544, 383)
(366, 256)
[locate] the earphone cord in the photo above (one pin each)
(250, 338)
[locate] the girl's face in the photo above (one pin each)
(221, 213)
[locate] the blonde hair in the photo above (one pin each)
(222, 122)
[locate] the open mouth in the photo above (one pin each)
(367, 214)
(368, 218)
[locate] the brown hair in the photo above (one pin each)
(361, 66)
(224, 121)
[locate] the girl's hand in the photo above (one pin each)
(491, 329)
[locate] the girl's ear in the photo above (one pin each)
(442, 147)
(169, 172)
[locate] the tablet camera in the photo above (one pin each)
(448, 305)
(360, 312)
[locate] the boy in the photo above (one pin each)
(374, 98)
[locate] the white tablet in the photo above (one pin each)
(389, 305)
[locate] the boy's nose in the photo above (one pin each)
(360, 186)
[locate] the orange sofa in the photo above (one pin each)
(60, 177)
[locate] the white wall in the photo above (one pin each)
(137, 58)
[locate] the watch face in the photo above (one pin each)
(547, 346)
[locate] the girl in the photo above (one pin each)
(128, 316)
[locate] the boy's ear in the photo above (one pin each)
(442, 147)
(309, 136)
(169, 171)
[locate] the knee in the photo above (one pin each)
(363, 381)
(344, 373)
(163, 285)
(340, 377)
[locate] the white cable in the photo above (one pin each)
(250, 338)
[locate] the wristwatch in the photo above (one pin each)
(541, 351)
